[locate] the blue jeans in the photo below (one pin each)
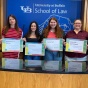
(32, 57)
(52, 56)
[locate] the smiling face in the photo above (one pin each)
(12, 21)
(77, 24)
(53, 24)
(33, 27)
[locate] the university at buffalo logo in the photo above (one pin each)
(26, 9)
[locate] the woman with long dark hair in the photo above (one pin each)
(32, 36)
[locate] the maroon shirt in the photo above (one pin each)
(81, 35)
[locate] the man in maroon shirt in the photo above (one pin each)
(77, 33)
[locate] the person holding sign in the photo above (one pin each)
(11, 30)
(80, 34)
(52, 31)
(32, 36)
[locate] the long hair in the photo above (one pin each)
(58, 30)
(8, 26)
(30, 31)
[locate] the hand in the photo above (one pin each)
(42, 41)
(64, 43)
(24, 46)
(0, 41)
(24, 39)
(45, 47)
(44, 44)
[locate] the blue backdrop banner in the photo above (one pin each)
(66, 11)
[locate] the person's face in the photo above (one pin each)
(77, 24)
(12, 21)
(53, 23)
(33, 27)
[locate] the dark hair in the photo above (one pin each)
(58, 30)
(30, 31)
(7, 27)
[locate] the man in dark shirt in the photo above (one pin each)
(77, 33)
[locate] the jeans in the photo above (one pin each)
(32, 57)
(52, 55)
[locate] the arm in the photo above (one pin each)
(3, 34)
(0, 41)
(24, 39)
(20, 33)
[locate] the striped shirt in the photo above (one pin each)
(12, 33)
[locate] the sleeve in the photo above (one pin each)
(20, 33)
(3, 32)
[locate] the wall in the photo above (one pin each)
(2, 17)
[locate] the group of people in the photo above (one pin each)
(53, 30)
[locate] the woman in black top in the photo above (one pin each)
(32, 36)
